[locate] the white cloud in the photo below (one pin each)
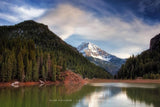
(127, 51)
(15, 13)
(29, 12)
(66, 20)
(8, 17)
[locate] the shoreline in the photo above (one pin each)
(88, 81)
(70, 78)
(124, 81)
(8, 84)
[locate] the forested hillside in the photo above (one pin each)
(30, 51)
(146, 65)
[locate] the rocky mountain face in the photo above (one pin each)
(100, 57)
(89, 49)
(155, 42)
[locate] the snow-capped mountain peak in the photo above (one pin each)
(100, 57)
(90, 49)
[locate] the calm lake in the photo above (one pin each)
(93, 95)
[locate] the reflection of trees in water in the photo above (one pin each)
(42, 97)
(149, 96)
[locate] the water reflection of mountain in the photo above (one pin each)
(99, 97)
(109, 92)
(149, 96)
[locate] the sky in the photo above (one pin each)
(120, 27)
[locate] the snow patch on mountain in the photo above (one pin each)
(100, 57)
(90, 49)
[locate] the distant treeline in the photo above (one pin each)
(145, 65)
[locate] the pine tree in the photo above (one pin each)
(9, 67)
(43, 73)
(64, 66)
(28, 76)
(20, 67)
(46, 70)
(3, 72)
(35, 71)
(53, 73)
(14, 61)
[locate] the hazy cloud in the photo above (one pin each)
(66, 20)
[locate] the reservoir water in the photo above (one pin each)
(92, 95)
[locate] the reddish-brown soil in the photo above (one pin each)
(71, 78)
(72, 81)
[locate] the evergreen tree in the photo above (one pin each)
(3, 72)
(53, 78)
(35, 71)
(43, 73)
(9, 67)
(28, 76)
(20, 67)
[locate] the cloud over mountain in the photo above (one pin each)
(132, 36)
(124, 27)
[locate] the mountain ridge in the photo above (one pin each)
(100, 57)
(32, 45)
(90, 49)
